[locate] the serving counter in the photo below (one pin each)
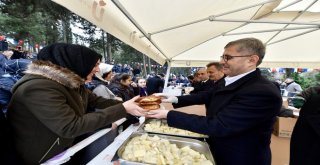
(279, 146)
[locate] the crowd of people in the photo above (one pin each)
(67, 92)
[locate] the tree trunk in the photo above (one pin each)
(289, 72)
(67, 34)
(144, 65)
(104, 47)
(149, 65)
(109, 41)
(64, 31)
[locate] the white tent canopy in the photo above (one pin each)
(193, 33)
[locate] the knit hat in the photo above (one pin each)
(104, 68)
(79, 59)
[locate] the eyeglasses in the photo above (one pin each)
(226, 58)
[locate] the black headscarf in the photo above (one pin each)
(79, 59)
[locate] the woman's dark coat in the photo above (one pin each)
(48, 110)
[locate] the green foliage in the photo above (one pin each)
(265, 72)
(307, 80)
(127, 54)
(35, 21)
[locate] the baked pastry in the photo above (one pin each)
(150, 107)
(149, 102)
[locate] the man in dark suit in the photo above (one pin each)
(215, 72)
(155, 84)
(204, 84)
(241, 109)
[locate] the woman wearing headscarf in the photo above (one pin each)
(48, 107)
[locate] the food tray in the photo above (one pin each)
(147, 121)
(196, 145)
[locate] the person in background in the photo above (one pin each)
(190, 79)
(292, 87)
(182, 81)
(121, 86)
(241, 110)
(305, 144)
(48, 107)
(13, 70)
(126, 68)
(195, 79)
(205, 83)
(215, 72)
(103, 78)
(98, 85)
(4, 57)
(142, 84)
(155, 84)
(5, 53)
(117, 68)
(136, 71)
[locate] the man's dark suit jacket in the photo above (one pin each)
(202, 86)
(154, 85)
(239, 119)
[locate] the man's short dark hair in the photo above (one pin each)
(216, 64)
(190, 77)
(250, 46)
(161, 74)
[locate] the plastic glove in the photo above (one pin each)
(158, 114)
(167, 98)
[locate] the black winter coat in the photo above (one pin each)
(305, 139)
(239, 119)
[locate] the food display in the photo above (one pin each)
(161, 126)
(149, 102)
(161, 151)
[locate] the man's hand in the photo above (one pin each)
(167, 98)
(158, 114)
(132, 107)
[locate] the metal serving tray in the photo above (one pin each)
(147, 121)
(199, 146)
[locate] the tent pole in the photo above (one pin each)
(206, 18)
(272, 30)
(297, 35)
(288, 5)
(167, 74)
(135, 23)
(296, 17)
(262, 21)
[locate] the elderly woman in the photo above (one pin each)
(98, 84)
